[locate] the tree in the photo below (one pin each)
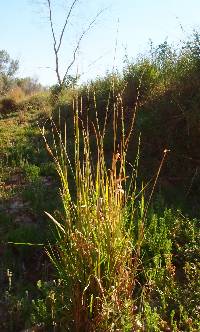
(57, 42)
(8, 68)
(29, 85)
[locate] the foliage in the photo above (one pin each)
(8, 68)
(16, 93)
(38, 102)
(29, 85)
(16, 101)
(31, 172)
(7, 105)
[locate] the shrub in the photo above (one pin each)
(16, 93)
(38, 102)
(31, 172)
(7, 105)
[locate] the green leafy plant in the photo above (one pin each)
(31, 172)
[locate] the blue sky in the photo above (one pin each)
(125, 27)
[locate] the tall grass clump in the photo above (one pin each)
(116, 260)
(95, 255)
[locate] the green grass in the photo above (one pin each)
(28, 186)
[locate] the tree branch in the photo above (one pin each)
(78, 44)
(57, 43)
(51, 23)
(54, 43)
(66, 22)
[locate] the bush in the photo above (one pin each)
(7, 105)
(31, 172)
(15, 101)
(38, 102)
(16, 93)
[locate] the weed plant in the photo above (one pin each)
(94, 251)
(98, 250)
